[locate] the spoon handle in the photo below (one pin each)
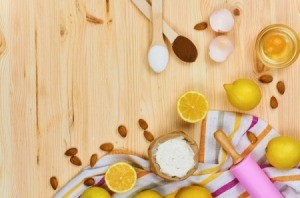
(157, 22)
(145, 8)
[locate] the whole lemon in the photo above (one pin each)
(148, 194)
(283, 152)
(244, 94)
(95, 192)
(193, 192)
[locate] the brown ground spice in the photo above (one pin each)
(185, 49)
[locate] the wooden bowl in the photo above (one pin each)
(153, 146)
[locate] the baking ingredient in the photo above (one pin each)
(266, 78)
(175, 157)
(220, 48)
(243, 94)
(251, 137)
(54, 182)
(193, 192)
(200, 26)
(120, 177)
(143, 124)
(192, 106)
(75, 160)
(71, 152)
(274, 44)
(185, 49)
(283, 152)
(93, 160)
(107, 147)
(122, 131)
(95, 192)
(221, 21)
(89, 181)
(158, 58)
(148, 194)
(280, 87)
(236, 12)
(149, 136)
(273, 102)
(91, 18)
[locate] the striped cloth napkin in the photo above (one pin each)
(213, 162)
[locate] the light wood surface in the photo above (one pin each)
(68, 82)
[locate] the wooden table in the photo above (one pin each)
(67, 82)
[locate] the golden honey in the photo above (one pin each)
(277, 46)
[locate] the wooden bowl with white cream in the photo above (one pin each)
(173, 156)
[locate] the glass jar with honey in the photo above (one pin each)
(277, 46)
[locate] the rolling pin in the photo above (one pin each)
(248, 172)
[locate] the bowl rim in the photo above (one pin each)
(155, 167)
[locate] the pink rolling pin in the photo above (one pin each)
(247, 171)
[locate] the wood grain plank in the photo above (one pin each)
(67, 82)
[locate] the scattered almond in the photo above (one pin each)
(236, 12)
(200, 26)
(251, 137)
(93, 160)
(149, 136)
(143, 124)
(266, 78)
(89, 181)
(75, 160)
(71, 152)
(122, 130)
(273, 102)
(281, 87)
(53, 182)
(107, 147)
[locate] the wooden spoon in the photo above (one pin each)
(188, 53)
(158, 55)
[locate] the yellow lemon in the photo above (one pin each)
(95, 192)
(283, 152)
(148, 194)
(120, 177)
(193, 192)
(244, 94)
(192, 106)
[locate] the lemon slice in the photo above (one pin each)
(192, 106)
(120, 177)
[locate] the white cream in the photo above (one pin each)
(175, 157)
(158, 58)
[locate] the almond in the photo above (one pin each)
(75, 160)
(89, 181)
(200, 26)
(143, 124)
(71, 152)
(236, 12)
(122, 130)
(53, 182)
(148, 135)
(251, 137)
(280, 87)
(93, 160)
(273, 102)
(266, 78)
(107, 147)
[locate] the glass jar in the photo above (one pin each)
(277, 46)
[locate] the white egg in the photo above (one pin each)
(221, 21)
(158, 58)
(220, 48)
